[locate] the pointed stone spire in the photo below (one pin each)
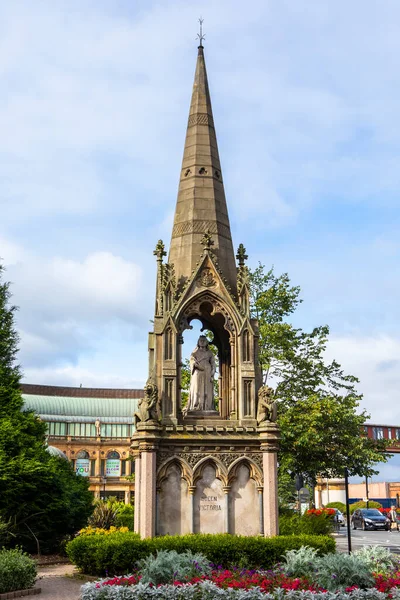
(201, 205)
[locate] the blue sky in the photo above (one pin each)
(93, 109)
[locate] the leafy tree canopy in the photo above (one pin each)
(41, 499)
(322, 430)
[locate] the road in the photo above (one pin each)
(361, 538)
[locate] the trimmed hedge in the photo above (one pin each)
(118, 553)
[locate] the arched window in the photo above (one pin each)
(113, 464)
(82, 463)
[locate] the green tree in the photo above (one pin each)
(322, 430)
(41, 499)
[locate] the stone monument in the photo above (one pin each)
(212, 467)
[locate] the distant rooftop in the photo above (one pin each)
(60, 403)
(79, 392)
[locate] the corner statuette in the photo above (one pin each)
(267, 409)
(148, 405)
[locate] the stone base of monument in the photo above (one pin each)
(203, 414)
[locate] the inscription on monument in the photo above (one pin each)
(209, 503)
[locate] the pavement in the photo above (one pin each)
(60, 582)
(360, 538)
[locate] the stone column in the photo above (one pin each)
(127, 496)
(137, 493)
(192, 491)
(261, 504)
(269, 434)
(147, 491)
(226, 489)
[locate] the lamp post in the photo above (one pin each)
(346, 487)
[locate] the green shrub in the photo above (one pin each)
(378, 559)
(338, 571)
(306, 524)
(362, 504)
(339, 505)
(300, 562)
(169, 566)
(125, 516)
(17, 570)
(119, 552)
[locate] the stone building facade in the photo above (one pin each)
(93, 428)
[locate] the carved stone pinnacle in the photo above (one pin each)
(160, 250)
(241, 255)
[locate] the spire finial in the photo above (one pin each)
(200, 35)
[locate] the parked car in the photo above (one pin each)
(339, 517)
(370, 518)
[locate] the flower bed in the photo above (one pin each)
(302, 574)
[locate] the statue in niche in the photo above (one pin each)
(97, 425)
(202, 370)
(267, 409)
(147, 406)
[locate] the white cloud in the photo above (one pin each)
(376, 362)
(74, 376)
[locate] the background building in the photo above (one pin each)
(93, 428)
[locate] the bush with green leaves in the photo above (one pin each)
(339, 505)
(169, 566)
(125, 516)
(17, 570)
(378, 559)
(339, 571)
(300, 562)
(111, 513)
(305, 524)
(118, 553)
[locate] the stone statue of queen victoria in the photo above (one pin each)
(202, 370)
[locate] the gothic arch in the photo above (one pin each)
(220, 469)
(255, 472)
(185, 468)
(192, 308)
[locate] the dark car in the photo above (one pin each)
(369, 518)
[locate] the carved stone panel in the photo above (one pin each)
(244, 510)
(173, 504)
(209, 503)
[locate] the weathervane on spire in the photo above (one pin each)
(200, 35)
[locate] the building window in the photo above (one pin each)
(397, 434)
(377, 433)
(57, 429)
(115, 430)
(82, 429)
(389, 433)
(113, 464)
(82, 463)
